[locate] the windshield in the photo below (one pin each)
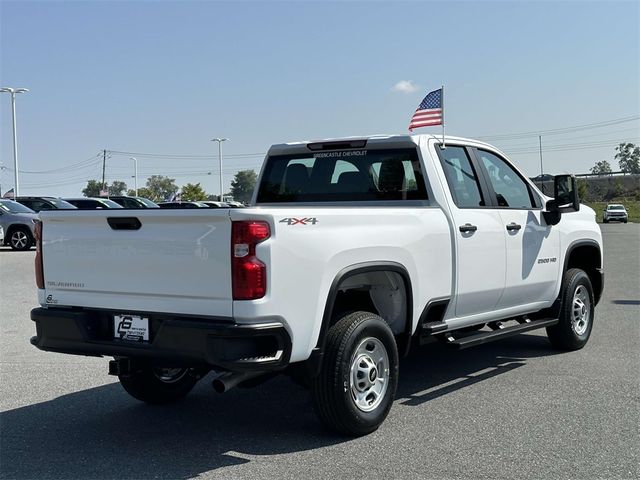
(61, 204)
(110, 203)
(147, 202)
(616, 207)
(350, 175)
(14, 207)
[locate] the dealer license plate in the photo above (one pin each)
(133, 328)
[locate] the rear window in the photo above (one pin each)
(351, 175)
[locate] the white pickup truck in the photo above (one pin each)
(352, 251)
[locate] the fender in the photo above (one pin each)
(315, 358)
(598, 280)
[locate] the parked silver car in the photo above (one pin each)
(18, 223)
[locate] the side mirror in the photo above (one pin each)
(565, 192)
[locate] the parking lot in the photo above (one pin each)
(512, 409)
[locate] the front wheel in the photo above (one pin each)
(159, 385)
(20, 239)
(576, 314)
(357, 383)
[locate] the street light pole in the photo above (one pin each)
(220, 140)
(13, 91)
(135, 173)
(541, 168)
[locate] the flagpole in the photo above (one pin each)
(443, 145)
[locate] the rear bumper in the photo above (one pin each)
(174, 341)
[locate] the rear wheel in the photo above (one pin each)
(20, 239)
(576, 314)
(159, 385)
(357, 383)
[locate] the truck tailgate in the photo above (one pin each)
(175, 262)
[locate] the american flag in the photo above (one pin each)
(429, 112)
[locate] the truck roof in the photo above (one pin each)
(382, 138)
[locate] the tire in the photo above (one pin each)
(159, 385)
(576, 313)
(359, 375)
(20, 239)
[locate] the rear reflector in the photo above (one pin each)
(249, 275)
(38, 262)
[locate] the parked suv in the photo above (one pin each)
(615, 212)
(45, 203)
(18, 222)
(92, 203)
(132, 202)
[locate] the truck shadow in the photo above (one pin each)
(102, 433)
(436, 370)
(626, 302)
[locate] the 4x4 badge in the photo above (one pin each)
(299, 221)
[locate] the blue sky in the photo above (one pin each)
(166, 77)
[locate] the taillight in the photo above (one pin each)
(38, 263)
(249, 275)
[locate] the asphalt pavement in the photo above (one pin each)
(511, 409)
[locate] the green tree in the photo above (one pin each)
(601, 168)
(117, 188)
(92, 189)
(618, 188)
(242, 185)
(628, 157)
(193, 193)
(583, 189)
(160, 187)
(142, 192)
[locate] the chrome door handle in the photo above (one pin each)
(467, 227)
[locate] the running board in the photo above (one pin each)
(486, 337)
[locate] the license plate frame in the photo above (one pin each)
(131, 328)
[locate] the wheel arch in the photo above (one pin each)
(587, 255)
(17, 226)
(367, 268)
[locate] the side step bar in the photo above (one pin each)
(486, 337)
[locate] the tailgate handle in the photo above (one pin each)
(124, 223)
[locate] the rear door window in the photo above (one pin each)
(352, 175)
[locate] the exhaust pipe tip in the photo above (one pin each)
(218, 385)
(226, 381)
